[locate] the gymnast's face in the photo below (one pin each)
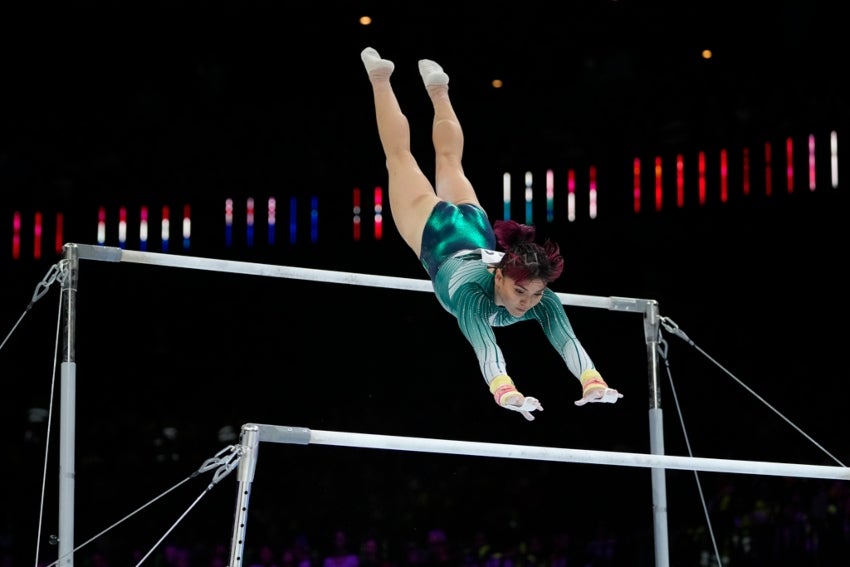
(517, 297)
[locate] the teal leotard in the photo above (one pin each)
(452, 228)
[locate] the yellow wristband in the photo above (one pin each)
(590, 374)
(591, 380)
(502, 388)
(499, 381)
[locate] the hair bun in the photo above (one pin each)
(509, 233)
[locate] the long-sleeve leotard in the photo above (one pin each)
(464, 286)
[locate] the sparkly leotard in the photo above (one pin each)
(452, 228)
(464, 286)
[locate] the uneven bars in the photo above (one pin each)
(114, 254)
(304, 436)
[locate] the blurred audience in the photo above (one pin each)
(802, 523)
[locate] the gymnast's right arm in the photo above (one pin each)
(471, 311)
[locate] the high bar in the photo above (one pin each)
(115, 254)
(305, 436)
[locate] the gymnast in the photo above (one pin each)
(449, 231)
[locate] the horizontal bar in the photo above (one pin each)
(114, 254)
(303, 436)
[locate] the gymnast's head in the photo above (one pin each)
(527, 267)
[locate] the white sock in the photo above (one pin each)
(432, 73)
(375, 66)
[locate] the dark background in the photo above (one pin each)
(107, 103)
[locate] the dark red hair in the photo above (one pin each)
(525, 259)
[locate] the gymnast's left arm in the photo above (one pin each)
(559, 331)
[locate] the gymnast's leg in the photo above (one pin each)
(411, 195)
(447, 136)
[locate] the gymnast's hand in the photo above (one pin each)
(600, 396)
(594, 390)
(523, 404)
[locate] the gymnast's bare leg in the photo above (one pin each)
(447, 135)
(411, 195)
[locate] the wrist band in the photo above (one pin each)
(502, 387)
(499, 381)
(591, 380)
(590, 374)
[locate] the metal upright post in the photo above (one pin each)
(68, 386)
(656, 436)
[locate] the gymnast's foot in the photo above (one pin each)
(432, 73)
(376, 67)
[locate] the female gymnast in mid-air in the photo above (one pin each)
(450, 233)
